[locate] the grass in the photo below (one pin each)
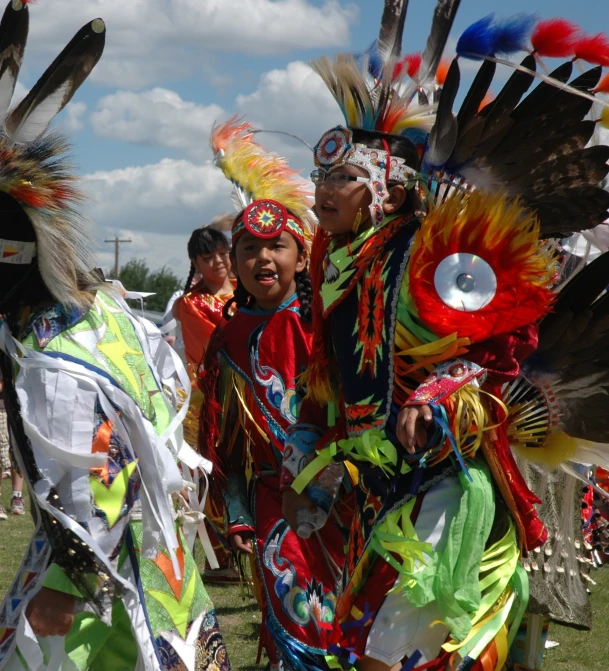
(240, 619)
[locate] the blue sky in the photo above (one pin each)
(140, 125)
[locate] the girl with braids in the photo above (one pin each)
(199, 311)
(252, 397)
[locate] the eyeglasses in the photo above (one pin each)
(336, 179)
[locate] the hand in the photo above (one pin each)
(412, 427)
(170, 340)
(291, 503)
(242, 542)
(51, 613)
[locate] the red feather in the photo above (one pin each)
(593, 49)
(603, 86)
(409, 65)
(29, 2)
(555, 38)
(442, 71)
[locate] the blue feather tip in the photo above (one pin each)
(477, 40)
(490, 36)
(513, 33)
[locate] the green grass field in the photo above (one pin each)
(240, 619)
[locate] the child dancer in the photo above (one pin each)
(420, 318)
(252, 367)
(199, 310)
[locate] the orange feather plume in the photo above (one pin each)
(442, 71)
(603, 85)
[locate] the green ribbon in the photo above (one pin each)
(372, 446)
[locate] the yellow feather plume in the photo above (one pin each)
(260, 175)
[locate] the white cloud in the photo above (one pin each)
(293, 100)
(158, 205)
(156, 117)
(71, 120)
(172, 195)
(152, 40)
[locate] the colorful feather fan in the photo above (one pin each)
(259, 175)
(477, 268)
(383, 102)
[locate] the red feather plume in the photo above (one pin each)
(409, 65)
(555, 38)
(593, 49)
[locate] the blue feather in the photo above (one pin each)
(373, 60)
(512, 34)
(478, 39)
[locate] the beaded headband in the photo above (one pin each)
(336, 148)
(267, 219)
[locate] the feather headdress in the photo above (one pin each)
(379, 90)
(258, 175)
(33, 165)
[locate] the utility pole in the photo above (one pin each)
(116, 242)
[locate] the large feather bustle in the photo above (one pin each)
(499, 231)
(42, 180)
(13, 37)
(259, 175)
(535, 150)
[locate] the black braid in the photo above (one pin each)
(241, 299)
(191, 274)
(304, 289)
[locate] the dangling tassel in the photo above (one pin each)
(356, 222)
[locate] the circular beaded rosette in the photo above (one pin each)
(333, 147)
(265, 218)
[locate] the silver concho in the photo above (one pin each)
(465, 282)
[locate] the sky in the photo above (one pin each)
(172, 68)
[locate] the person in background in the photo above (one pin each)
(198, 311)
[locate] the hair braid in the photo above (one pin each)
(241, 298)
(191, 274)
(304, 289)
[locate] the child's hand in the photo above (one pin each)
(291, 502)
(412, 426)
(51, 613)
(242, 542)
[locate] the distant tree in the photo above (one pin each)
(136, 276)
